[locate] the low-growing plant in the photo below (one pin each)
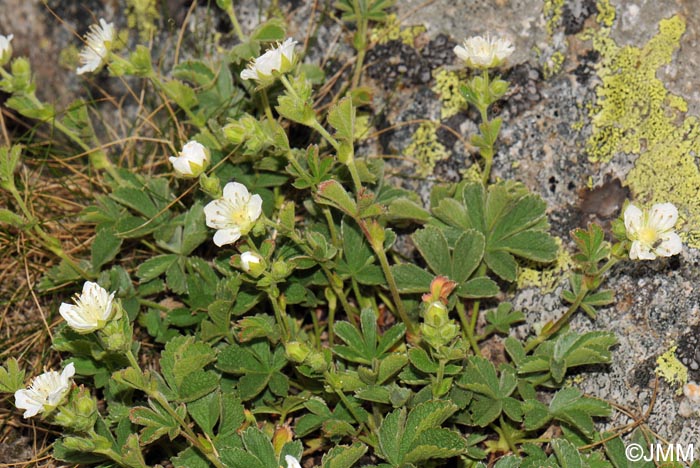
(295, 328)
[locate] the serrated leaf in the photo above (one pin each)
(477, 288)
(567, 454)
(156, 421)
(343, 456)
(332, 193)
(183, 356)
(154, 267)
(342, 119)
(432, 244)
(11, 377)
(502, 318)
(467, 254)
(105, 247)
(190, 458)
(410, 278)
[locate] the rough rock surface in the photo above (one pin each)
(546, 125)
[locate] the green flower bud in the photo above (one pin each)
(297, 351)
(253, 264)
(210, 185)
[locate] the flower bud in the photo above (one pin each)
(5, 49)
(436, 314)
(280, 270)
(297, 351)
(191, 161)
(211, 185)
(80, 413)
(252, 263)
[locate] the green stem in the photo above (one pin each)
(266, 105)
(324, 133)
(346, 402)
(281, 317)
(561, 321)
(503, 431)
(466, 326)
(335, 239)
(362, 24)
(236, 25)
(187, 431)
(391, 281)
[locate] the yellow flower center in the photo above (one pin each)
(648, 235)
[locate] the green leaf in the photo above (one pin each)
(418, 437)
(501, 319)
(467, 254)
(198, 384)
(404, 208)
(342, 118)
(190, 458)
(105, 247)
(297, 107)
(195, 230)
(343, 456)
(567, 454)
(157, 422)
(274, 29)
(358, 258)
(8, 217)
(432, 244)
(154, 267)
(182, 357)
(502, 263)
(11, 377)
(410, 278)
(478, 287)
(332, 193)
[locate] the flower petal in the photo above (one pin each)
(292, 462)
(226, 236)
(670, 245)
(254, 207)
(235, 191)
(663, 217)
(633, 220)
(217, 214)
(640, 251)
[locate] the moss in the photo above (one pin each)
(635, 113)
(547, 277)
(142, 15)
(391, 30)
(669, 368)
(426, 149)
(447, 85)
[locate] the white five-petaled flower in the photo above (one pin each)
(92, 309)
(97, 44)
(651, 232)
(191, 161)
(5, 48)
(484, 52)
(46, 392)
(291, 462)
(234, 214)
(279, 59)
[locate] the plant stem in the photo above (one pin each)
(391, 281)
(346, 402)
(281, 317)
(362, 23)
(266, 105)
(466, 326)
(236, 25)
(561, 321)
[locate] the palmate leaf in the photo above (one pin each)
(366, 345)
(511, 220)
(258, 366)
(492, 391)
(569, 350)
(418, 437)
(568, 406)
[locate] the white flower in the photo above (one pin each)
(5, 48)
(279, 59)
(651, 232)
(191, 161)
(480, 52)
(690, 405)
(92, 310)
(291, 462)
(250, 261)
(45, 392)
(98, 41)
(234, 214)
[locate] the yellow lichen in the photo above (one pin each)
(606, 13)
(553, 65)
(391, 30)
(634, 113)
(552, 12)
(669, 368)
(545, 277)
(472, 173)
(446, 86)
(425, 148)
